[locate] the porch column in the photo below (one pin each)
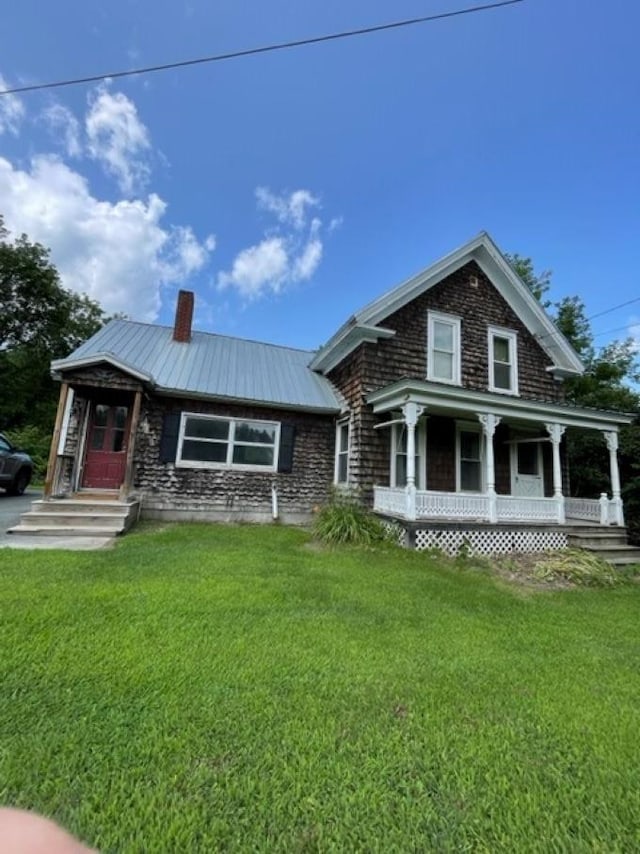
(411, 412)
(125, 488)
(52, 465)
(489, 423)
(556, 432)
(612, 444)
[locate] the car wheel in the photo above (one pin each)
(20, 483)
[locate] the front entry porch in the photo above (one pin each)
(458, 455)
(403, 503)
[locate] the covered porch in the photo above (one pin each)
(461, 455)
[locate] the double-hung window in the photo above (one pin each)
(342, 453)
(503, 360)
(469, 458)
(443, 357)
(208, 441)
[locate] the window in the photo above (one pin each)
(341, 475)
(399, 455)
(503, 361)
(443, 359)
(469, 454)
(207, 441)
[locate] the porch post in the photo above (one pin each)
(611, 439)
(489, 423)
(52, 465)
(133, 428)
(556, 431)
(411, 412)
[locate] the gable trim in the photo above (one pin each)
(494, 265)
(59, 366)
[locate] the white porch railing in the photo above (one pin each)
(603, 510)
(509, 508)
(447, 505)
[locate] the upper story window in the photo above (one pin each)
(208, 441)
(503, 360)
(443, 358)
(341, 475)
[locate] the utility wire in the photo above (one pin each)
(220, 57)
(557, 332)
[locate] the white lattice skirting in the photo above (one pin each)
(489, 542)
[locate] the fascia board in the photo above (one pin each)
(346, 342)
(392, 397)
(59, 366)
(401, 294)
(527, 307)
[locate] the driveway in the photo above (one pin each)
(12, 507)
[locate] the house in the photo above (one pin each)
(442, 402)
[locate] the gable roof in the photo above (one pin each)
(209, 365)
(364, 325)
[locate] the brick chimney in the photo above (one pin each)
(184, 316)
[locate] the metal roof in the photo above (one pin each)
(209, 365)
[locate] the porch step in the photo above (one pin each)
(610, 544)
(66, 531)
(75, 517)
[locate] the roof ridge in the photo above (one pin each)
(219, 335)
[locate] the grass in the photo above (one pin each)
(207, 688)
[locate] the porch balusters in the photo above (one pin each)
(556, 432)
(411, 412)
(612, 444)
(489, 423)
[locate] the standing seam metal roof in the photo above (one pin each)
(212, 365)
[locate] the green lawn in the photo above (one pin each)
(204, 688)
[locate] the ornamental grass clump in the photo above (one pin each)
(578, 567)
(344, 520)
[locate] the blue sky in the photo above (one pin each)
(290, 189)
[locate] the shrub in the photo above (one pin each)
(345, 520)
(578, 567)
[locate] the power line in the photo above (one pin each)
(220, 57)
(616, 329)
(609, 310)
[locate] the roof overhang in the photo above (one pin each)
(61, 366)
(345, 341)
(492, 262)
(457, 400)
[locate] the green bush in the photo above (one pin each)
(345, 520)
(578, 567)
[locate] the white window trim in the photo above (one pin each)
(512, 337)
(343, 422)
(228, 465)
(421, 452)
(470, 427)
(454, 321)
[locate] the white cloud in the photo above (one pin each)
(11, 110)
(290, 210)
(62, 122)
(117, 138)
(118, 253)
(289, 253)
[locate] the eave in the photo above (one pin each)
(61, 366)
(459, 400)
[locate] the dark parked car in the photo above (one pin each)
(16, 467)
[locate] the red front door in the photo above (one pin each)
(105, 459)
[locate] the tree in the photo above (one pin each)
(39, 321)
(538, 283)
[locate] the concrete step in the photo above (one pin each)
(74, 505)
(67, 519)
(66, 531)
(596, 540)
